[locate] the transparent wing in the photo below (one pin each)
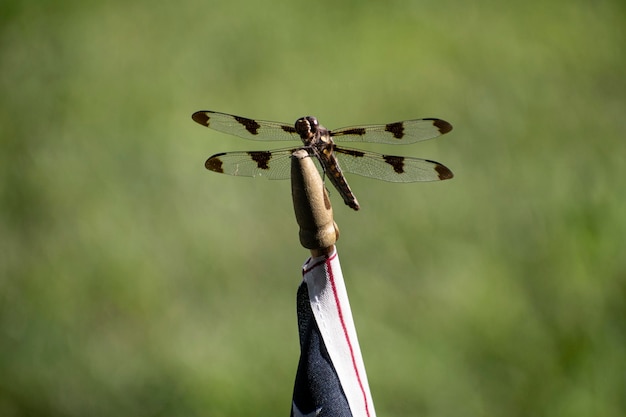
(390, 168)
(244, 127)
(273, 165)
(408, 131)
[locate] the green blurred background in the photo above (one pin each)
(133, 282)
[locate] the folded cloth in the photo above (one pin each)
(331, 379)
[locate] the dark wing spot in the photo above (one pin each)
(443, 126)
(214, 163)
(396, 129)
(201, 117)
(288, 129)
(262, 158)
(359, 131)
(397, 162)
(352, 152)
(251, 125)
(443, 171)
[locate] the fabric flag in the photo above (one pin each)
(331, 379)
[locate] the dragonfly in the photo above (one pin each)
(319, 142)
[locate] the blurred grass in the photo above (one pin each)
(133, 282)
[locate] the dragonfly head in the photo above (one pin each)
(307, 127)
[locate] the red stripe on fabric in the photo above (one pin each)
(345, 332)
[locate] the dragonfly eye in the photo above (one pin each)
(313, 123)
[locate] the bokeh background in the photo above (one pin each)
(133, 282)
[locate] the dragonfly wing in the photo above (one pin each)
(405, 132)
(390, 168)
(244, 127)
(273, 165)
